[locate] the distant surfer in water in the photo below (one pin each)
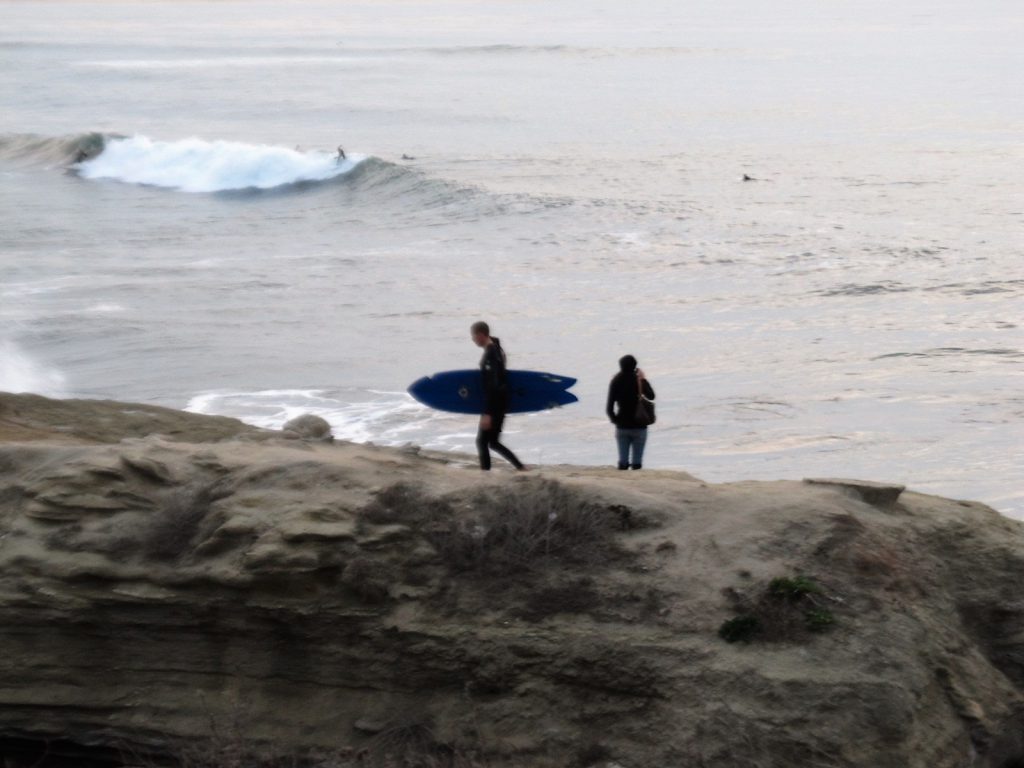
(494, 377)
(341, 153)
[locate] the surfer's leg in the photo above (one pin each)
(483, 438)
(503, 451)
(639, 441)
(494, 433)
(622, 440)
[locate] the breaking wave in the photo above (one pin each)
(199, 166)
(385, 418)
(187, 165)
(195, 165)
(30, 149)
(21, 373)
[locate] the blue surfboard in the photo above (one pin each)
(462, 391)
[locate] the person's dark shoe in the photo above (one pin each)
(623, 466)
(638, 466)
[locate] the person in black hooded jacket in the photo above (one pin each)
(623, 395)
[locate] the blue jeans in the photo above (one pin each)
(627, 438)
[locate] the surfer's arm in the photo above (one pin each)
(648, 389)
(489, 398)
(492, 372)
(610, 408)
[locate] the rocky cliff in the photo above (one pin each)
(175, 585)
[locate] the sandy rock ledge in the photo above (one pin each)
(172, 582)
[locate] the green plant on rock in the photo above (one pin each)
(739, 629)
(819, 619)
(794, 588)
(787, 609)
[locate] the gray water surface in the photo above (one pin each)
(575, 179)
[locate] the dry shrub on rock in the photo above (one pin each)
(405, 504)
(501, 530)
(517, 527)
(410, 742)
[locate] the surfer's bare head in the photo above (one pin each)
(480, 333)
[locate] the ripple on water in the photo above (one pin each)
(866, 289)
(951, 352)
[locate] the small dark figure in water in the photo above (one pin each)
(407, 157)
(494, 377)
(748, 178)
(341, 153)
(626, 389)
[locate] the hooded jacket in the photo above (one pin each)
(623, 393)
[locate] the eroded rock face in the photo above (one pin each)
(882, 495)
(364, 602)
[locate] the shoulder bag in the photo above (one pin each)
(644, 415)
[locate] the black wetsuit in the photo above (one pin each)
(494, 378)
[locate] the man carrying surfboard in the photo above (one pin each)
(494, 379)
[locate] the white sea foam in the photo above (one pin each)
(385, 418)
(35, 287)
(105, 308)
(195, 165)
(20, 373)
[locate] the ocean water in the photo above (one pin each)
(175, 229)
